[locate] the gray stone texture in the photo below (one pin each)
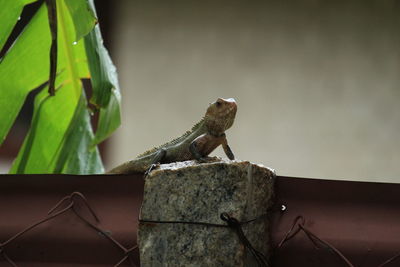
(191, 192)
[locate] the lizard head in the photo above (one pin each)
(220, 115)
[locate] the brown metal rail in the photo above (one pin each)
(95, 220)
(361, 220)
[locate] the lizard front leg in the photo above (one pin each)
(194, 150)
(203, 145)
(227, 149)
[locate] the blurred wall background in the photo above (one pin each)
(317, 82)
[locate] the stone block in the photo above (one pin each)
(178, 194)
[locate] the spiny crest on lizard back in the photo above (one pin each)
(219, 117)
(174, 141)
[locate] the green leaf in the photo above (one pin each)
(83, 17)
(51, 118)
(75, 157)
(23, 68)
(51, 144)
(9, 15)
(106, 93)
(110, 118)
(26, 66)
(60, 139)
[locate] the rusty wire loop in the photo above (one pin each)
(299, 221)
(34, 225)
(127, 252)
(70, 198)
(55, 211)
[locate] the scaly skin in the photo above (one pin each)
(197, 143)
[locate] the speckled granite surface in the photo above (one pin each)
(187, 191)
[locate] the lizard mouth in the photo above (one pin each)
(230, 112)
(230, 104)
(232, 107)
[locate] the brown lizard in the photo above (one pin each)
(198, 143)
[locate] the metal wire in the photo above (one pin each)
(392, 259)
(231, 222)
(299, 221)
(72, 201)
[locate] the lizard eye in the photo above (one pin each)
(218, 103)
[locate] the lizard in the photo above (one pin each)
(197, 143)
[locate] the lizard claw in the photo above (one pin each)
(202, 160)
(150, 169)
